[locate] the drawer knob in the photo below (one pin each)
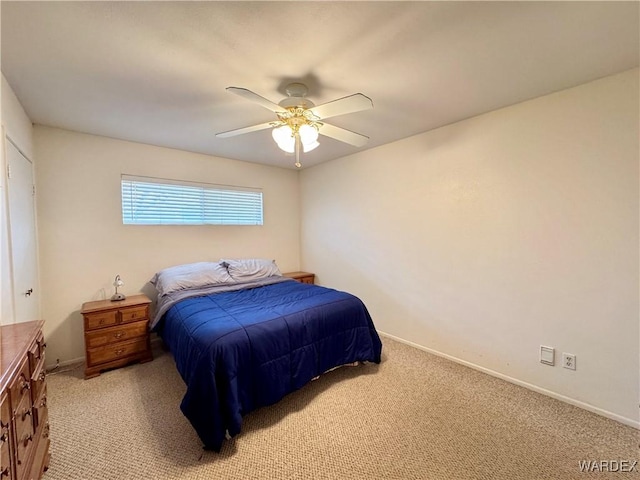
(4, 437)
(25, 385)
(41, 376)
(27, 438)
(5, 472)
(119, 335)
(43, 402)
(120, 351)
(26, 413)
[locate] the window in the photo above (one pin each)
(155, 201)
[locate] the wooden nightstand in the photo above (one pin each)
(116, 333)
(302, 277)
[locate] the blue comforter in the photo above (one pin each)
(241, 350)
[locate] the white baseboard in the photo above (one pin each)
(605, 413)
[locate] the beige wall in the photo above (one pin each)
(83, 243)
(484, 239)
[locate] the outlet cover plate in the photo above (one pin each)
(569, 361)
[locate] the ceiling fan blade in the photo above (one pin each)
(254, 97)
(240, 131)
(346, 136)
(353, 103)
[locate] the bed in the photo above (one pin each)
(246, 342)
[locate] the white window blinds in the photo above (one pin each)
(151, 201)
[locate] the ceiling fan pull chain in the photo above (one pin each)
(298, 164)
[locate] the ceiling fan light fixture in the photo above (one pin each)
(289, 147)
(300, 120)
(307, 147)
(282, 134)
(308, 134)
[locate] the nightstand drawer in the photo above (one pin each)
(116, 351)
(133, 314)
(101, 319)
(120, 333)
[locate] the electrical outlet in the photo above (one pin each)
(569, 361)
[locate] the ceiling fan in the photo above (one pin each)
(300, 121)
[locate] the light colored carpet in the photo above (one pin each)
(414, 416)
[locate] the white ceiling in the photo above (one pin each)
(156, 72)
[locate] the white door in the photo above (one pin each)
(22, 234)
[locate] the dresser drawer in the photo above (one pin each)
(116, 334)
(116, 351)
(36, 353)
(38, 379)
(5, 432)
(23, 425)
(41, 455)
(20, 388)
(40, 409)
(24, 419)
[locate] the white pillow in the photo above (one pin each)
(191, 275)
(247, 269)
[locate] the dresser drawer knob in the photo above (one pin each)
(26, 413)
(41, 377)
(120, 351)
(43, 402)
(27, 438)
(4, 437)
(5, 472)
(25, 384)
(119, 335)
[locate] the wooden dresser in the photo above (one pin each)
(302, 277)
(116, 333)
(24, 429)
